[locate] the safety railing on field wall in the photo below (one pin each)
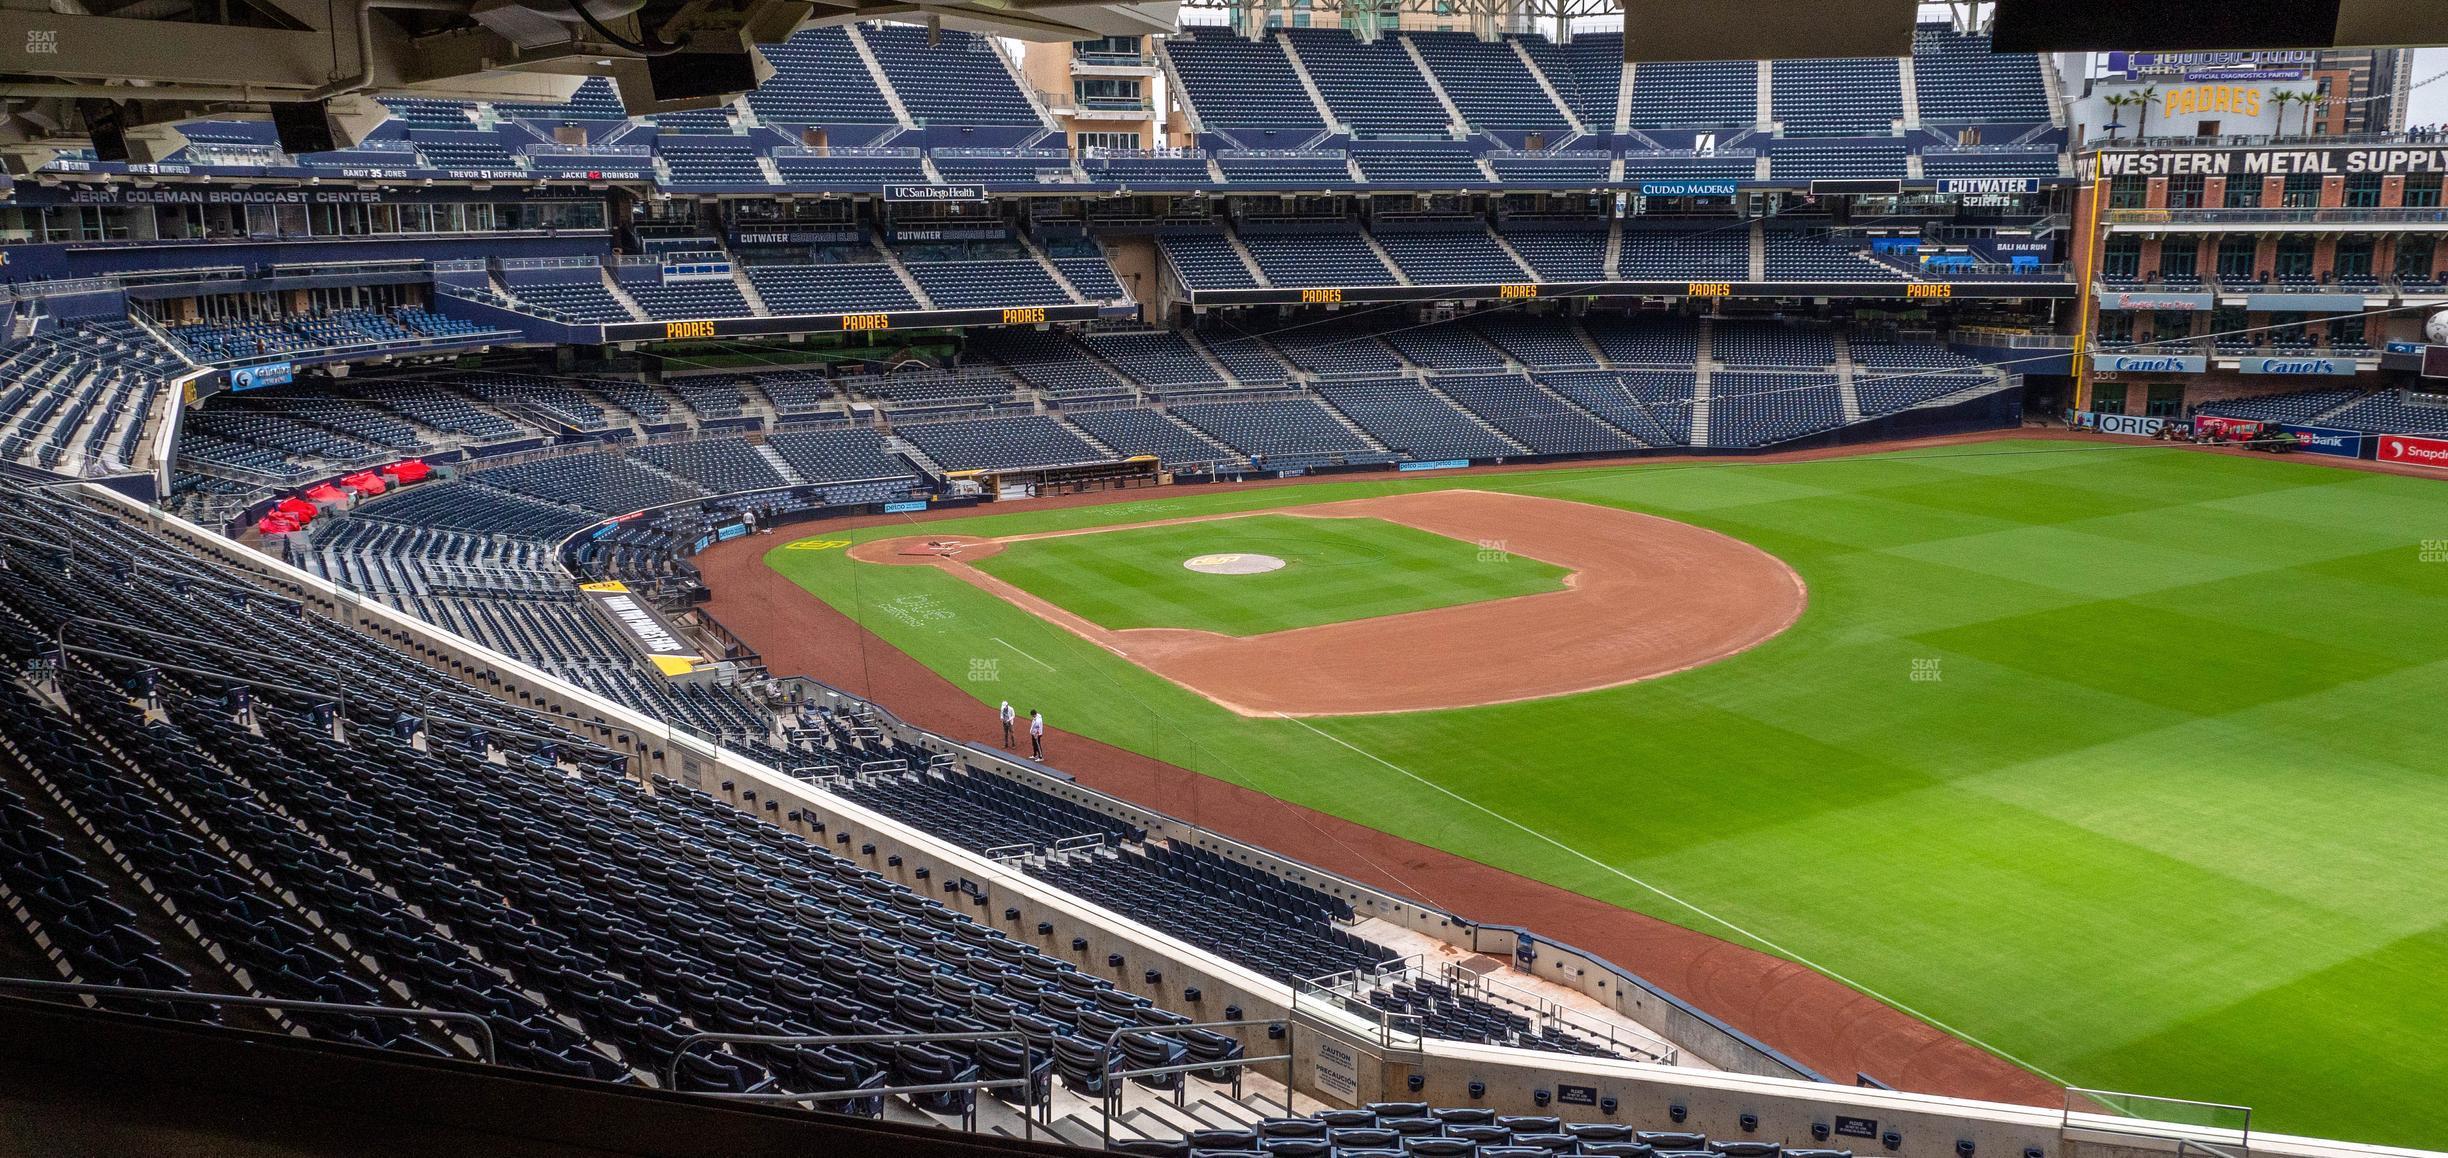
(2205, 1129)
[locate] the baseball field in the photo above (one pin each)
(2121, 762)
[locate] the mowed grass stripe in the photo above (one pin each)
(1335, 570)
(2169, 819)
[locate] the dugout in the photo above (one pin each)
(1139, 470)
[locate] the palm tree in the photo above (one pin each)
(2147, 93)
(2120, 102)
(2313, 102)
(2281, 100)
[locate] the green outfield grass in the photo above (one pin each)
(1334, 570)
(2166, 810)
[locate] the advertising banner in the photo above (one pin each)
(1973, 186)
(2129, 425)
(2304, 303)
(934, 192)
(2413, 451)
(258, 377)
(2221, 426)
(2328, 440)
(2299, 366)
(2150, 363)
(2314, 159)
(1689, 188)
(2146, 300)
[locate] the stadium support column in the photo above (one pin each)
(2089, 307)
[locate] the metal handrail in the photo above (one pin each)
(1111, 1104)
(670, 1076)
(484, 1030)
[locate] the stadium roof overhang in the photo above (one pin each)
(122, 74)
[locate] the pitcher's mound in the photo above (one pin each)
(1234, 563)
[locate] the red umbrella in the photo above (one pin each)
(325, 493)
(296, 510)
(364, 482)
(408, 471)
(276, 523)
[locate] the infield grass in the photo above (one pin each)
(1334, 570)
(2166, 810)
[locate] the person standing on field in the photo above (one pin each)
(1036, 734)
(1006, 713)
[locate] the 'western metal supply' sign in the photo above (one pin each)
(2271, 162)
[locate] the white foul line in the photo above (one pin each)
(1032, 659)
(1762, 941)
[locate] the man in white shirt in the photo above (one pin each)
(1006, 713)
(1036, 735)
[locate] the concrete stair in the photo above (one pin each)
(875, 72)
(1700, 386)
(748, 290)
(1586, 412)
(1108, 448)
(780, 465)
(1453, 113)
(1912, 94)
(1581, 334)
(1366, 439)
(1309, 85)
(1430, 385)
(1047, 264)
(1845, 374)
(1400, 277)
(1248, 259)
(1224, 453)
(1548, 86)
(908, 282)
(1529, 271)
(909, 450)
(1623, 105)
(620, 295)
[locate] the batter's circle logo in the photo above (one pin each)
(818, 545)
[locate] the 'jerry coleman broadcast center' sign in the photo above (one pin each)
(2272, 162)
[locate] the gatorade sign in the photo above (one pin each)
(2412, 451)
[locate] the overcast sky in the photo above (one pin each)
(2429, 105)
